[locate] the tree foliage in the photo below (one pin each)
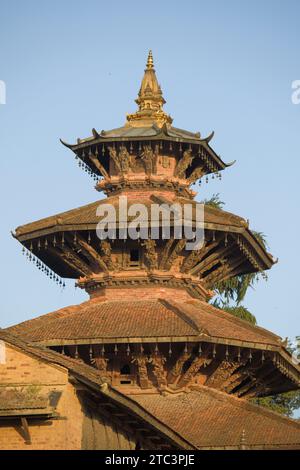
(241, 312)
(235, 288)
(284, 403)
(214, 201)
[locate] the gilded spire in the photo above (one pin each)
(150, 64)
(150, 100)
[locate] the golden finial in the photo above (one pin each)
(150, 64)
(150, 100)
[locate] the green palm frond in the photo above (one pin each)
(214, 201)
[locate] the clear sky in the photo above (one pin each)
(228, 66)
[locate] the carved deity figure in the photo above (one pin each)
(124, 159)
(183, 164)
(101, 363)
(114, 156)
(149, 159)
(140, 360)
(121, 159)
(105, 248)
(150, 253)
(157, 362)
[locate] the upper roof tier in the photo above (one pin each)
(147, 130)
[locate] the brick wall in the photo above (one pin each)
(77, 428)
(140, 293)
(20, 371)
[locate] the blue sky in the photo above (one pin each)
(223, 66)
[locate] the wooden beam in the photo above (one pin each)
(91, 254)
(223, 371)
(197, 363)
(218, 273)
(165, 253)
(176, 370)
(98, 165)
(197, 255)
(179, 245)
(70, 255)
(234, 377)
(196, 174)
(183, 164)
(235, 272)
(259, 384)
(72, 260)
(247, 371)
(25, 430)
(226, 268)
(212, 259)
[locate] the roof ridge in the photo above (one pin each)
(232, 318)
(182, 315)
(216, 210)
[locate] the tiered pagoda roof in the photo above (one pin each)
(148, 330)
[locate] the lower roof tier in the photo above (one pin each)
(205, 418)
(199, 344)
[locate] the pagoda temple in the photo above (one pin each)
(147, 362)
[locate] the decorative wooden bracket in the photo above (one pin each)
(25, 430)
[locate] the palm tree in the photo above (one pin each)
(229, 295)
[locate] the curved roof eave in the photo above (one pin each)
(189, 139)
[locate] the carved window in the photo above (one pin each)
(134, 258)
(125, 369)
(126, 377)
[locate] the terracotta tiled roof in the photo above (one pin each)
(111, 319)
(201, 418)
(221, 324)
(209, 418)
(86, 215)
(96, 319)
